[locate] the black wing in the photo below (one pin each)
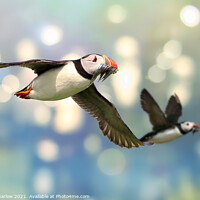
(37, 65)
(174, 109)
(107, 116)
(156, 116)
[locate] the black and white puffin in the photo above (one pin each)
(61, 79)
(165, 126)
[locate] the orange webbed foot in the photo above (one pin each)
(23, 93)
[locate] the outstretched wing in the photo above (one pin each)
(107, 116)
(156, 116)
(174, 109)
(37, 65)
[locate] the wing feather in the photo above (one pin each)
(174, 109)
(37, 65)
(107, 116)
(156, 116)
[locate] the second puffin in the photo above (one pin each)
(165, 127)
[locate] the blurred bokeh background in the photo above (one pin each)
(57, 148)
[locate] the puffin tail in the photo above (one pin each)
(143, 139)
(146, 141)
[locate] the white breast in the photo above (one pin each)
(58, 83)
(166, 135)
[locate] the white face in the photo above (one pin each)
(91, 62)
(187, 126)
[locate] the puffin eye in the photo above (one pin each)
(95, 59)
(187, 124)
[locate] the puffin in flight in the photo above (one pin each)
(61, 79)
(165, 126)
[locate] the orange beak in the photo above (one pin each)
(197, 126)
(105, 69)
(109, 61)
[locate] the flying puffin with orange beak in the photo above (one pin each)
(61, 79)
(165, 126)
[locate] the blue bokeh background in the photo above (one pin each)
(57, 148)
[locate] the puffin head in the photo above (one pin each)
(96, 64)
(189, 126)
